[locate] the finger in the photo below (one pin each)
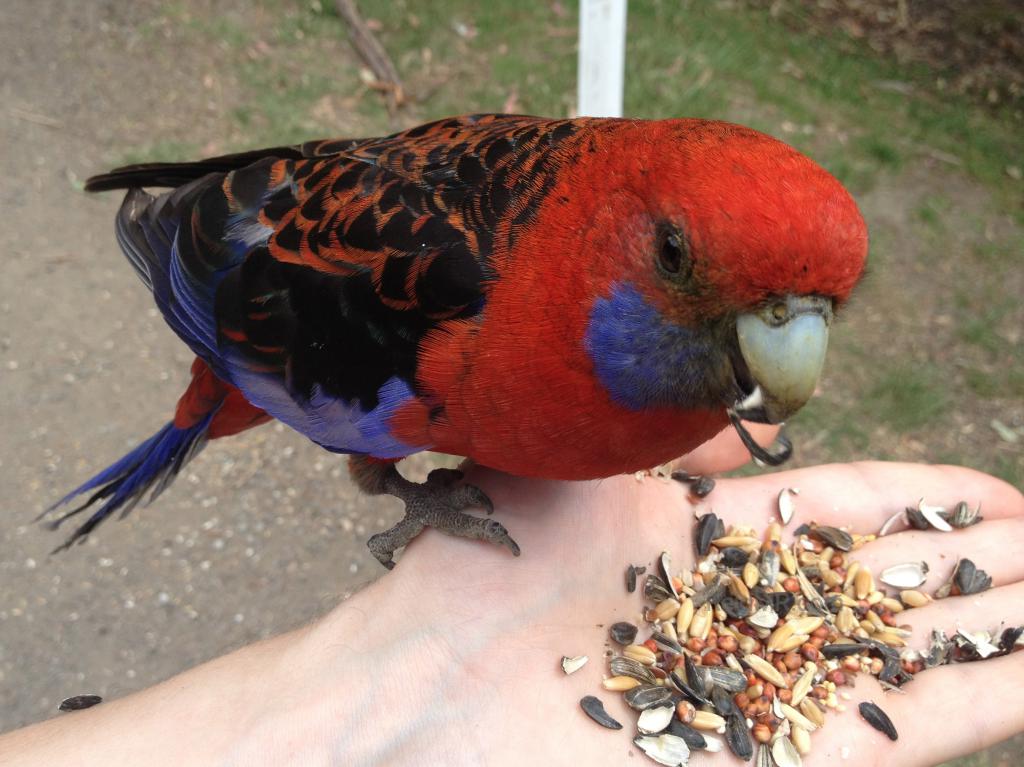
(954, 710)
(985, 544)
(866, 494)
(991, 611)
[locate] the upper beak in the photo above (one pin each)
(783, 347)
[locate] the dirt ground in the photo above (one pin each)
(264, 531)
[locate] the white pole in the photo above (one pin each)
(602, 58)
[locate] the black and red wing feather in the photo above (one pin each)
(320, 267)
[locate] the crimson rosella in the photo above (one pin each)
(565, 299)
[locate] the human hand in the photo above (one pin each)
(453, 658)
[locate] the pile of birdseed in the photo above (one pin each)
(752, 646)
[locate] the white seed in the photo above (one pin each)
(785, 753)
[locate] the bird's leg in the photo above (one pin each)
(439, 503)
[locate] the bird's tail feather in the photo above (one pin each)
(149, 468)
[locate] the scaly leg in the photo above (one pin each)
(439, 503)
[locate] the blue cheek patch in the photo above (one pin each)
(640, 358)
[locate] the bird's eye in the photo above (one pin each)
(672, 256)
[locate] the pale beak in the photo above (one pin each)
(783, 348)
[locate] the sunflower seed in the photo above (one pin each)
(693, 738)
(690, 692)
(572, 665)
(654, 720)
(980, 642)
(631, 573)
(878, 719)
(737, 736)
(785, 753)
(647, 696)
(964, 516)
(833, 536)
(78, 702)
(709, 527)
(908, 575)
(787, 507)
(932, 515)
(1009, 639)
(730, 679)
(594, 708)
(722, 701)
(664, 749)
(969, 579)
(655, 589)
(733, 556)
(666, 573)
(916, 519)
(622, 632)
(622, 666)
(734, 608)
(764, 756)
(769, 566)
(665, 642)
(711, 593)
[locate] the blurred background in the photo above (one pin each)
(915, 104)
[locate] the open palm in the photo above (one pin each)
(464, 641)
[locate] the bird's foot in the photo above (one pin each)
(438, 503)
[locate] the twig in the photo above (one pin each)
(373, 53)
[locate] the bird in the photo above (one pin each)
(556, 298)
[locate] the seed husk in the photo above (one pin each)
(878, 719)
(734, 607)
(647, 696)
(785, 753)
(769, 566)
(964, 516)
(737, 736)
(622, 666)
(764, 756)
(765, 618)
(708, 721)
(594, 708)
(666, 573)
(709, 527)
(733, 556)
(711, 593)
(908, 575)
(833, 536)
(701, 486)
(664, 749)
(765, 670)
(654, 720)
(623, 632)
(573, 664)
(969, 579)
(690, 692)
(787, 506)
(933, 516)
(79, 702)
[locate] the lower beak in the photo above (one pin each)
(783, 347)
